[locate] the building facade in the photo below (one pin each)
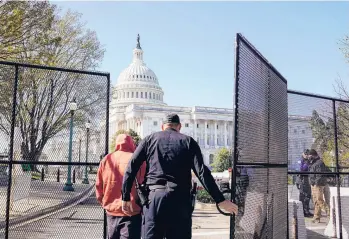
(137, 104)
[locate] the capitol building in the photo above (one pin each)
(137, 104)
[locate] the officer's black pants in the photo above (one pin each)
(167, 216)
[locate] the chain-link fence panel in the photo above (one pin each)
(261, 144)
(57, 138)
(310, 126)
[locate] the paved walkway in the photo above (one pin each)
(82, 221)
(316, 231)
(43, 196)
(209, 224)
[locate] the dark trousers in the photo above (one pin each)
(168, 215)
(305, 196)
(124, 227)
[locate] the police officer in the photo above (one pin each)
(170, 156)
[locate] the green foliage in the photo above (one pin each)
(36, 176)
(204, 197)
(35, 32)
(323, 132)
(136, 138)
(290, 180)
(222, 160)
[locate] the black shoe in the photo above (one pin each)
(308, 214)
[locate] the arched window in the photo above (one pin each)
(149, 95)
(136, 94)
(211, 157)
(154, 96)
(128, 94)
(146, 95)
(133, 94)
(141, 94)
(140, 76)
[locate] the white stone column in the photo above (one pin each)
(141, 120)
(225, 133)
(215, 133)
(205, 133)
(127, 124)
(195, 130)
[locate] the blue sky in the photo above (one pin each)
(190, 45)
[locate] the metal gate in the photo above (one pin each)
(260, 145)
(54, 131)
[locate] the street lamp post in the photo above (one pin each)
(68, 185)
(88, 125)
(79, 156)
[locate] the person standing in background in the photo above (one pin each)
(303, 184)
(318, 183)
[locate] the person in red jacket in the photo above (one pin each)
(110, 174)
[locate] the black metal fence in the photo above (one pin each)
(321, 123)
(54, 130)
(260, 145)
(273, 127)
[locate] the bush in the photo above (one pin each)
(222, 160)
(204, 197)
(36, 176)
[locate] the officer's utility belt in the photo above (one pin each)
(156, 187)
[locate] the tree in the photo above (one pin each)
(22, 29)
(323, 133)
(43, 95)
(136, 138)
(222, 160)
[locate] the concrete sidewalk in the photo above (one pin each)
(44, 197)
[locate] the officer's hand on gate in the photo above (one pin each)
(229, 206)
(127, 207)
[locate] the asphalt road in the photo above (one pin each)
(83, 221)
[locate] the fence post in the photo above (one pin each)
(334, 217)
(58, 174)
(74, 175)
(42, 174)
(11, 153)
(339, 203)
(295, 222)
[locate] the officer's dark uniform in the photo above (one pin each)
(170, 156)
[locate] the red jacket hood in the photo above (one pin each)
(124, 143)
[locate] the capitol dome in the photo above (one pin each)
(138, 84)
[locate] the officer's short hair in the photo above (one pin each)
(172, 119)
